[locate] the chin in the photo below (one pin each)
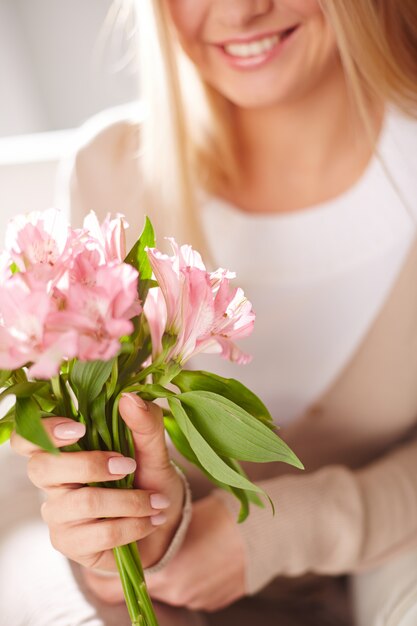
(260, 99)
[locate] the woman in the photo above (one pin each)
(278, 135)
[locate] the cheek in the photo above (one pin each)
(304, 8)
(188, 17)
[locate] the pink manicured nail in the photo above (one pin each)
(66, 430)
(159, 501)
(136, 400)
(121, 465)
(158, 520)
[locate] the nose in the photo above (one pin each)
(241, 12)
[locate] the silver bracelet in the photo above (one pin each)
(181, 531)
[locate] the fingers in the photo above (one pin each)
(146, 423)
(84, 543)
(61, 430)
(47, 471)
(95, 502)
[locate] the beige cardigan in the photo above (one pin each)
(356, 504)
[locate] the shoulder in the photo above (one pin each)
(110, 135)
(104, 171)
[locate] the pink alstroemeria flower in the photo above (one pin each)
(197, 307)
(40, 244)
(5, 271)
(23, 335)
(99, 311)
(156, 313)
(169, 272)
(109, 235)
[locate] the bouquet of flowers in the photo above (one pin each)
(81, 323)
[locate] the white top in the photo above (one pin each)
(319, 276)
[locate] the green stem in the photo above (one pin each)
(111, 385)
(142, 375)
(115, 424)
(133, 547)
(131, 446)
(130, 597)
(56, 387)
(94, 436)
(135, 572)
(66, 399)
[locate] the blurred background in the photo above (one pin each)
(61, 62)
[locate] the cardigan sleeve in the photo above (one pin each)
(332, 521)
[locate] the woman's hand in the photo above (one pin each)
(74, 511)
(208, 573)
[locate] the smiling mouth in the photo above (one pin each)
(248, 49)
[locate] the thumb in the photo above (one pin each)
(145, 421)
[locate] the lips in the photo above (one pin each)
(254, 51)
(256, 43)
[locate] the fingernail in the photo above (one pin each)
(136, 400)
(69, 431)
(121, 465)
(159, 501)
(158, 520)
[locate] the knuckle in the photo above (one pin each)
(140, 503)
(37, 468)
(132, 529)
(89, 501)
(107, 535)
(86, 464)
(89, 465)
(142, 527)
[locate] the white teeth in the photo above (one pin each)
(254, 48)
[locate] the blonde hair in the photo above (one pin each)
(187, 137)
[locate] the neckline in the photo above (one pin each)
(314, 210)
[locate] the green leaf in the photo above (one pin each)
(246, 497)
(89, 379)
(242, 496)
(112, 382)
(7, 425)
(45, 401)
(252, 497)
(181, 443)
(208, 458)
(23, 390)
(29, 424)
(138, 258)
(4, 376)
(98, 416)
(231, 431)
(198, 380)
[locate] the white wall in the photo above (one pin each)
(21, 107)
(29, 168)
(52, 74)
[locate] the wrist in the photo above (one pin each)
(174, 534)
